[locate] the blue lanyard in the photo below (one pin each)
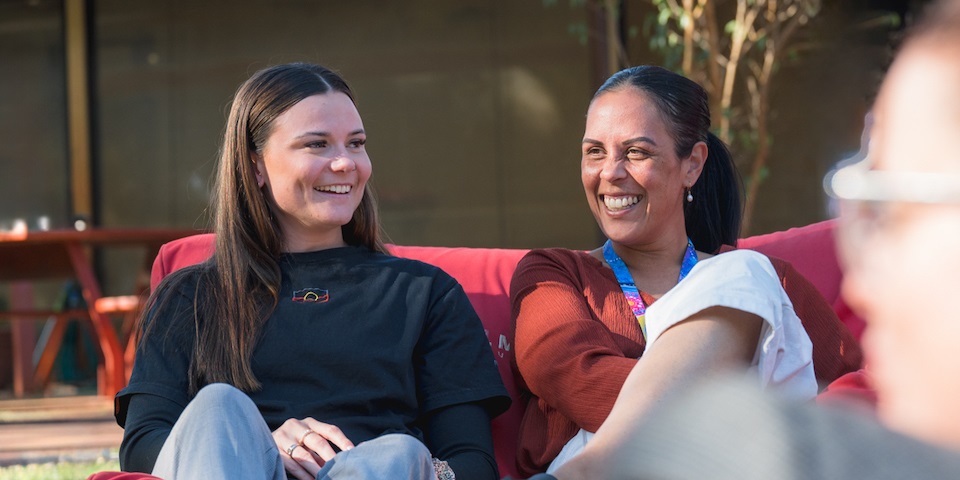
(630, 289)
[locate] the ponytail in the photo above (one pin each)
(713, 218)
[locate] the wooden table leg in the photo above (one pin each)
(23, 333)
(114, 376)
(51, 348)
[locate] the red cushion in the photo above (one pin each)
(484, 274)
(180, 253)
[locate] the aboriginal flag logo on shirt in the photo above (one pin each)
(311, 295)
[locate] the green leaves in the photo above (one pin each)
(730, 27)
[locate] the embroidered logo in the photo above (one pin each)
(311, 295)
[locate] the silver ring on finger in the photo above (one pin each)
(291, 448)
(304, 435)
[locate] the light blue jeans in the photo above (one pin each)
(221, 435)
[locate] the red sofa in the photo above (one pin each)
(485, 275)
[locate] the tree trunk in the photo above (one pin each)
(745, 18)
(713, 60)
(688, 38)
(614, 46)
(763, 143)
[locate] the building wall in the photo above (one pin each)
(474, 110)
(471, 108)
(33, 134)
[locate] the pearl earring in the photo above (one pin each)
(689, 196)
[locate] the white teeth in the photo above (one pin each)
(334, 188)
(619, 203)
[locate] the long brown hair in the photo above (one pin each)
(244, 270)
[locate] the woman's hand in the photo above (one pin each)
(305, 445)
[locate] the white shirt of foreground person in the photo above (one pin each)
(743, 280)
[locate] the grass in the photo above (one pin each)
(57, 471)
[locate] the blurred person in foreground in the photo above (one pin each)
(900, 214)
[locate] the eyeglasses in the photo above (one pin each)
(866, 196)
(857, 182)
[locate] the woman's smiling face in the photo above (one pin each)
(634, 182)
(313, 169)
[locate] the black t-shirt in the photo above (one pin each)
(365, 341)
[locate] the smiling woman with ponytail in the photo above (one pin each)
(657, 305)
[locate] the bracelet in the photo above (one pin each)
(443, 470)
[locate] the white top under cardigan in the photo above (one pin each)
(744, 280)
